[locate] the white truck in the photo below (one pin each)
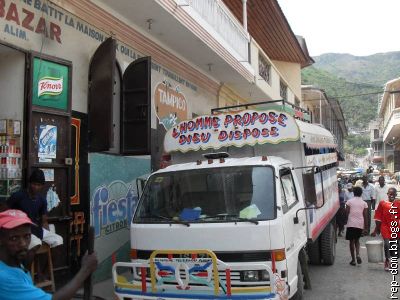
(238, 223)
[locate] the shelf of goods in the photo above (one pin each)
(10, 165)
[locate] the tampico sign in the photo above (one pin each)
(171, 105)
(248, 127)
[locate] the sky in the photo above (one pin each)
(358, 27)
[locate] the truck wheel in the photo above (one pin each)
(300, 284)
(328, 245)
(314, 254)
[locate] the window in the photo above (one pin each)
(283, 90)
(264, 69)
(119, 108)
(376, 133)
(288, 190)
(220, 195)
(396, 101)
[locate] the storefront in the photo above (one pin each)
(91, 111)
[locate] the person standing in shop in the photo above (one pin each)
(34, 205)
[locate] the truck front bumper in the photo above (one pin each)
(189, 274)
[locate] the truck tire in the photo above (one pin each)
(328, 245)
(314, 253)
(300, 284)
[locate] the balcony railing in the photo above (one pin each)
(394, 119)
(220, 18)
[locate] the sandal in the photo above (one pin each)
(353, 263)
(359, 261)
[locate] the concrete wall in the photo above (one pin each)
(291, 73)
(12, 77)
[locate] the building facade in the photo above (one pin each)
(326, 112)
(88, 90)
(389, 112)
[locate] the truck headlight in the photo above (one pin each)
(139, 272)
(264, 275)
(252, 276)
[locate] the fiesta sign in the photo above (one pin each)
(112, 207)
(50, 86)
(237, 129)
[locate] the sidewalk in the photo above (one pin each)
(101, 290)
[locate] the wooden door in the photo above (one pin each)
(136, 108)
(48, 140)
(101, 90)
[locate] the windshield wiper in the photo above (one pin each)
(231, 218)
(153, 216)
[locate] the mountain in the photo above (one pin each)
(356, 81)
(374, 69)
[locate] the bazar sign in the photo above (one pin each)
(50, 86)
(26, 18)
(237, 129)
(171, 105)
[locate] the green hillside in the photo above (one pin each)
(374, 69)
(343, 76)
(358, 110)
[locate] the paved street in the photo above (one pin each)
(341, 281)
(345, 282)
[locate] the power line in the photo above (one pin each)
(349, 96)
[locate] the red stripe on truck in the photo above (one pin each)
(325, 220)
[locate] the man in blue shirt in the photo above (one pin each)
(15, 281)
(34, 205)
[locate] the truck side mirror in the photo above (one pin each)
(140, 183)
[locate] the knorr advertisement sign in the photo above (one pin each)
(50, 84)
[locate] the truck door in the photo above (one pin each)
(295, 235)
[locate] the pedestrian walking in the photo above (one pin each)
(368, 194)
(348, 194)
(387, 225)
(356, 210)
(381, 190)
(341, 213)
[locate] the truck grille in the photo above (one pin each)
(253, 256)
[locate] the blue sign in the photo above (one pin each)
(47, 141)
(112, 207)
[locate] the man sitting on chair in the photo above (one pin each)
(15, 281)
(32, 202)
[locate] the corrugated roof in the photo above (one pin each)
(267, 24)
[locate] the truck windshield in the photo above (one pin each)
(228, 194)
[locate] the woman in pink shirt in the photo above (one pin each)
(357, 212)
